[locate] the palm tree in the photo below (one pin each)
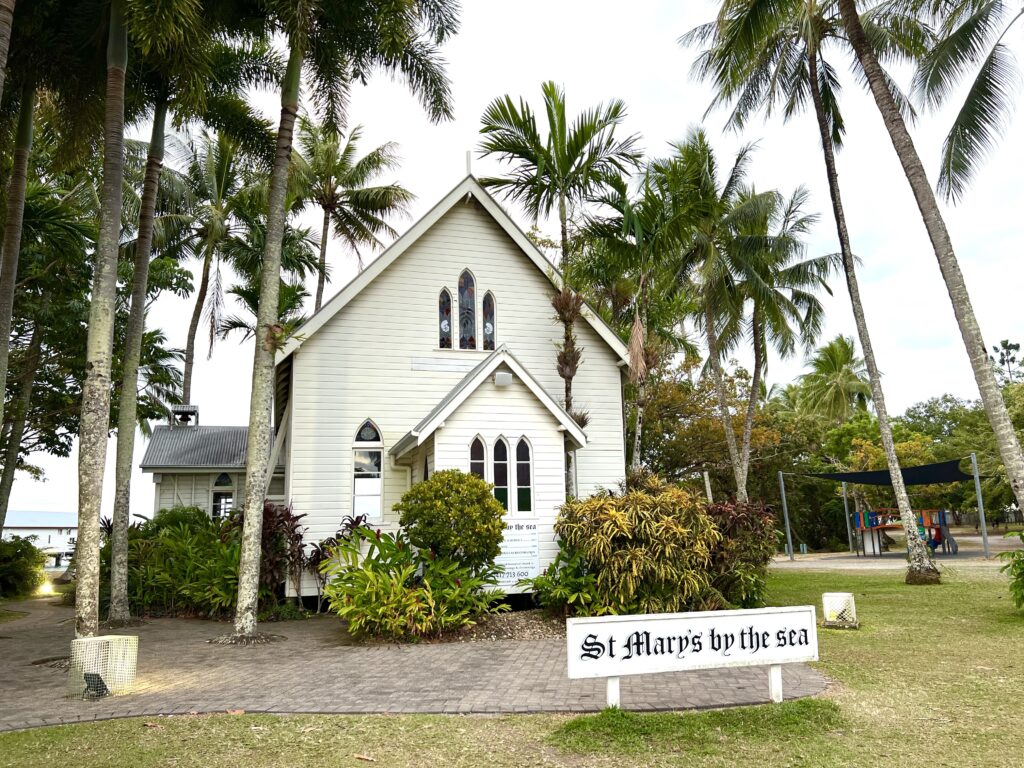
(970, 36)
(558, 172)
(337, 43)
(333, 178)
(6, 21)
(970, 331)
(837, 385)
(642, 239)
(776, 60)
(186, 80)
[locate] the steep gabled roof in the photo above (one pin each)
(471, 187)
(468, 385)
(196, 447)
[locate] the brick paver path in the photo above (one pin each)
(314, 672)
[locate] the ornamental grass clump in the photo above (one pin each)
(649, 550)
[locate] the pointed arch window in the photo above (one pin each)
(444, 320)
(524, 472)
(368, 472)
(477, 459)
(467, 311)
(500, 476)
(488, 321)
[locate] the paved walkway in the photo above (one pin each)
(314, 671)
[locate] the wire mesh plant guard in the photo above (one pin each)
(102, 666)
(840, 611)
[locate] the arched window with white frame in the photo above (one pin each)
(489, 322)
(467, 310)
(478, 458)
(368, 472)
(524, 476)
(444, 319)
(500, 472)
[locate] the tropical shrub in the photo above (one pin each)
(567, 587)
(649, 549)
(1014, 568)
(282, 554)
(455, 516)
(397, 592)
(21, 566)
(739, 561)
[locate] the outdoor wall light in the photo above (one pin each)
(840, 610)
(102, 666)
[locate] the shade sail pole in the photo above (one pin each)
(707, 487)
(785, 516)
(846, 514)
(981, 504)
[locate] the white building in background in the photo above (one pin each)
(440, 354)
(55, 532)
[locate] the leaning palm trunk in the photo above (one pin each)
(920, 568)
(19, 414)
(723, 402)
(95, 419)
(6, 21)
(193, 327)
(991, 396)
(748, 419)
(268, 341)
(119, 611)
(12, 228)
(638, 373)
(321, 278)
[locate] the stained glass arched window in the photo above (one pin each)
(488, 327)
(444, 320)
(368, 433)
(467, 311)
(367, 472)
(477, 458)
(524, 488)
(501, 472)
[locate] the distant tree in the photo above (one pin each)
(1005, 356)
(837, 385)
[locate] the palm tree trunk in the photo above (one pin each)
(322, 276)
(748, 419)
(268, 342)
(920, 569)
(723, 402)
(119, 613)
(18, 417)
(6, 21)
(970, 331)
(12, 227)
(193, 328)
(641, 401)
(95, 419)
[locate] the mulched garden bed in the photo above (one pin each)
(514, 625)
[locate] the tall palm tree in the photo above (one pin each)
(776, 60)
(970, 37)
(6, 21)
(333, 177)
(837, 385)
(189, 80)
(337, 43)
(913, 169)
(557, 172)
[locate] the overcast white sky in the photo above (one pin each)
(598, 50)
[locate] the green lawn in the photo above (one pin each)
(932, 678)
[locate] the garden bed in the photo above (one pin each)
(533, 624)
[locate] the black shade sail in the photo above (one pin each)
(926, 474)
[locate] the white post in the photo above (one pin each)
(775, 683)
(707, 487)
(613, 691)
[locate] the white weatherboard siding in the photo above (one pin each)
(195, 489)
(511, 412)
(378, 358)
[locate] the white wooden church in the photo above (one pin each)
(440, 354)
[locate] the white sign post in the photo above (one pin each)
(613, 646)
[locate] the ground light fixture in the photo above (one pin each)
(839, 610)
(102, 666)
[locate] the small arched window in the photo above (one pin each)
(501, 472)
(477, 458)
(467, 311)
(488, 328)
(223, 479)
(444, 320)
(426, 467)
(367, 472)
(524, 488)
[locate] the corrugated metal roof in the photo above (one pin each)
(20, 518)
(199, 446)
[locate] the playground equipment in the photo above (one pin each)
(870, 525)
